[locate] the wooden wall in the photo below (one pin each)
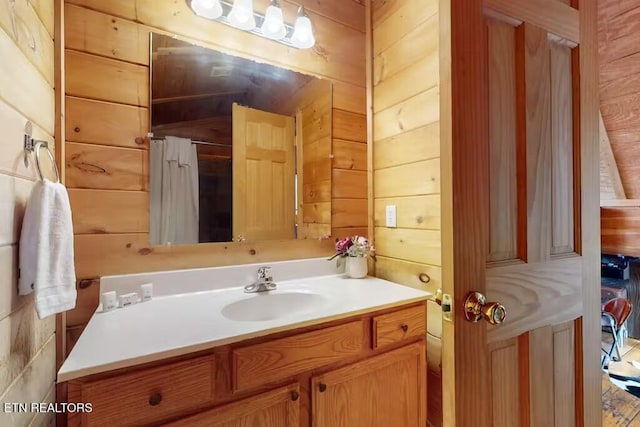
(619, 57)
(107, 100)
(406, 164)
(27, 344)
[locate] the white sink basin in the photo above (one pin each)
(272, 305)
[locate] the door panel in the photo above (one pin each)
(263, 175)
(523, 203)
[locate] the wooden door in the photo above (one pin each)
(263, 175)
(276, 408)
(386, 390)
(523, 199)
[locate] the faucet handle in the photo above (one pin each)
(264, 273)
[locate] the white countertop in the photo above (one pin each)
(174, 325)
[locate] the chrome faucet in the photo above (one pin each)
(264, 282)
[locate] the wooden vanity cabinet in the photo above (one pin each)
(277, 408)
(385, 390)
(362, 371)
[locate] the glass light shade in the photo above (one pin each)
(210, 9)
(302, 33)
(273, 25)
(241, 15)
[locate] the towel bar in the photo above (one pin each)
(34, 145)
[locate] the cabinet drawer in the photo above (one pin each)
(150, 395)
(278, 359)
(399, 325)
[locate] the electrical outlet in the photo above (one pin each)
(391, 216)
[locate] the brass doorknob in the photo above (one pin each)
(476, 307)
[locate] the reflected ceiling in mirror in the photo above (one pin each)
(226, 160)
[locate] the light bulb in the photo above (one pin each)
(302, 32)
(273, 25)
(241, 15)
(210, 9)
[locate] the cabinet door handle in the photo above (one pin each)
(155, 399)
(322, 387)
(404, 328)
(295, 395)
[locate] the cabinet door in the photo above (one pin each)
(276, 408)
(386, 390)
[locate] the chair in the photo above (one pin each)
(613, 316)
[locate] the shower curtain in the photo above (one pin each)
(174, 192)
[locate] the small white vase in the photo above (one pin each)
(356, 267)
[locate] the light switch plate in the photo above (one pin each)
(391, 220)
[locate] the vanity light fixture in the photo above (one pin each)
(241, 15)
(271, 25)
(302, 32)
(210, 9)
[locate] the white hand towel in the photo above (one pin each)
(46, 250)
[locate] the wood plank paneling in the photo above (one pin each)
(343, 44)
(22, 330)
(348, 213)
(421, 246)
(408, 273)
(32, 386)
(105, 254)
(20, 21)
(317, 192)
(349, 184)
(610, 183)
(420, 212)
(349, 155)
(393, 22)
(394, 89)
(95, 77)
(349, 126)
(419, 178)
(420, 41)
(24, 88)
(105, 123)
(349, 97)
(417, 111)
(101, 167)
(316, 213)
(503, 238)
(619, 57)
(620, 230)
(12, 124)
(105, 35)
(27, 75)
(109, 211)
(422, 143)
(404, 158)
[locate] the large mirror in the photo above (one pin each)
(235, 144)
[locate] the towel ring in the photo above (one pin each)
(34, 145)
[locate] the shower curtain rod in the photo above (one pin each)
(213, 144)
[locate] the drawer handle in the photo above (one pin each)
(155, 399)
(323, 387)
(404, 328)
(295, 395)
